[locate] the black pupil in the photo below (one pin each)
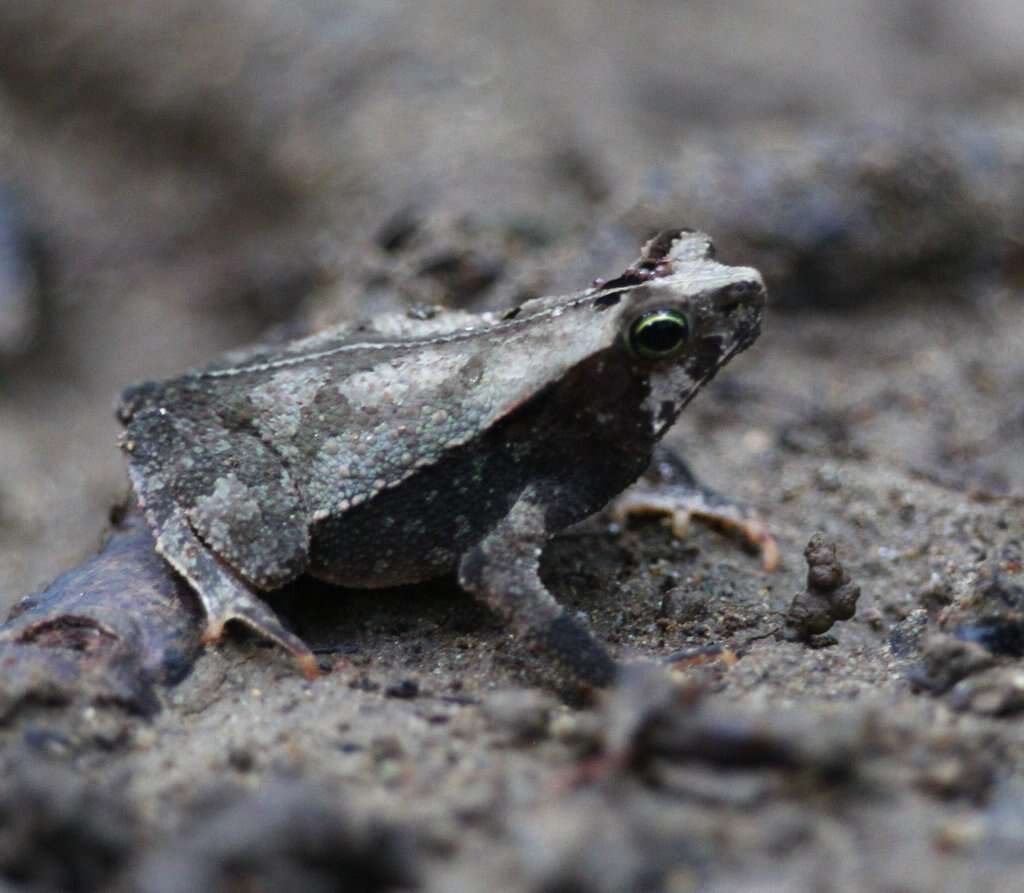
(661, 335)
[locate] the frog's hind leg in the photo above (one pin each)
(225, 517)
(670, 488)
(223, 596)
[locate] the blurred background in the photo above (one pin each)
(180, 177)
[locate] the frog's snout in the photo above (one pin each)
(748, 293)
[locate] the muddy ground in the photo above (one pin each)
(186, 177)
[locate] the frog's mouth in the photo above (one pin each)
(746, 333)
(712, 354)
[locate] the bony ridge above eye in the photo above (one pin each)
(658, 334)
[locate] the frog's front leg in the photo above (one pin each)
(670, 488)
(503, 570)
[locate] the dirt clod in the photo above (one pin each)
(56, 833)
(653, 717)
(406, 689)
(830, 595)
(287, 836)
(946, 660)
(522, 715)
(996, 692)
(993, 614)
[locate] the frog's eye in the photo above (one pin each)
(658, 334)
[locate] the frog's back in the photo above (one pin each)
(354, 412)
(359, 414)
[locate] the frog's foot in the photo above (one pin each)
(670, 489)
(248, 609)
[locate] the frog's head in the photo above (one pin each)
(682, 316)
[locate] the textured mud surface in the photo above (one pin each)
(282, 165)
